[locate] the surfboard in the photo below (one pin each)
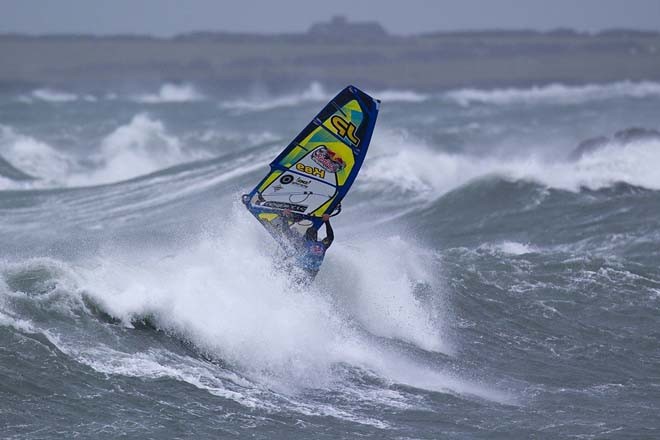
(312, 175)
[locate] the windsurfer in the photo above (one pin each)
(308, 251)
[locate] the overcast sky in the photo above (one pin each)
(169, 17)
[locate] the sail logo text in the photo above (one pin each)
(345, 129)
(312, 171)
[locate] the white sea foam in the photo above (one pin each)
(172, 93)
(400, 96)
(555, 93)
(51, 95)
(246, 139)
(511, 248)
(157, 363)
(141, 146)
(134, 149)
(22, 325)
(633, 163)
(261, 101)
(398, 313)
(225, 295)
(408, 166)
(7, 318)
(6, 183)
(36, 158)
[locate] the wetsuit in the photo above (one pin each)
(311, 255)
(308, 252)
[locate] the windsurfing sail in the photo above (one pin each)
(315, 171)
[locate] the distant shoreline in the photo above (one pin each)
(426, 62)
(230, 35)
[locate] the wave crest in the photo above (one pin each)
(140, 147)
(555, 93)
(414, 170)
(34, 158)
(263, 101)
(172, 93)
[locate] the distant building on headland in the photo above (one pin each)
(338, 28)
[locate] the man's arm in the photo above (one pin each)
(330, 236)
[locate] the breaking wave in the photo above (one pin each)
(427, 313)
(137, 148)
(547, 94)
(171, 93)
(419, 171)
(555, 93)
(401, 96)
(34, 158)
(260, 101)
(141, 146)
(510, 248)
(55, 96)
(222, 293)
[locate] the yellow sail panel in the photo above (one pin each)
(270, 179)
(345, 122)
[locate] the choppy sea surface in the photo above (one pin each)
(488, 279)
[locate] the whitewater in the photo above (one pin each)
(494, 274)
